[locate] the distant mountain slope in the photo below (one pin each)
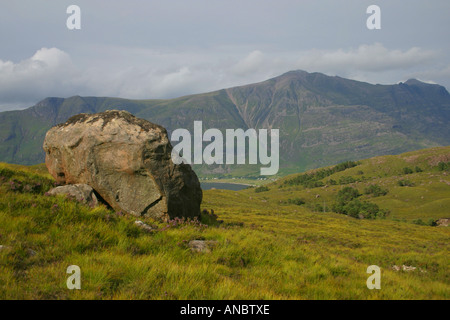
(323, 120)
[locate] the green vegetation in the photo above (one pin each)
(407, 170)
(405, 183)
(431, 222)
(267, 247)
(349, 204)
(360, 209)
(347, 194)
(444, 166)
(375, 190)
(261, 189)
(346, 180)
(312, 180)
(296, 201)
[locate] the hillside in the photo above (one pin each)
(411, 186)
(322, 120)
(267, 247)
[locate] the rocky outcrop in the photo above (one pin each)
(127, 161)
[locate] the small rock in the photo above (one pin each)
(144, 226)
(408, 268)
(80, 192)
(404, 268)
(202, 245)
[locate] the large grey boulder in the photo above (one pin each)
(127, 161)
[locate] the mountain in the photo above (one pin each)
(323, 120)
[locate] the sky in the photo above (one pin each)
(165, 49)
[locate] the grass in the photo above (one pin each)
(267, 246)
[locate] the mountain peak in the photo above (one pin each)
(301, 74)
(295, 72)
(416, 82)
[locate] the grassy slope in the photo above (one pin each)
(266, 249)
(429, 197)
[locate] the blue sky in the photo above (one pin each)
(165, 49)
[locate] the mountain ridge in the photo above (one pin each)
(322, 119)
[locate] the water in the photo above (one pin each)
(222, 185)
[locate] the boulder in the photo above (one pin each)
(80, 192)
(127, 161)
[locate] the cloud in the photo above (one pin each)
(372, 58)
(373, 63)
(140, 73)
(252, 63)
(51, 58)
(48, 72)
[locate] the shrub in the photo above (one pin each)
(332, 182)
(405, 183)
(347, 194)
(261, 189)
(407, 170)
(375, 190)
(360, 209)
(314, 184)
(345, 165)
(346, 180)
(431, 222)
(209, 218)
(418, 169)
(443, 166)
(349, 204)
(311, 180)
(182, 222)
(296, 201)
(317, 207)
